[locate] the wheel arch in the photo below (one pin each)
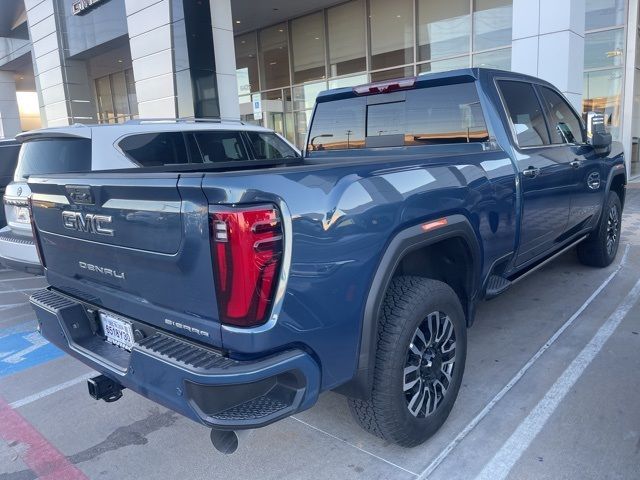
(414, 239)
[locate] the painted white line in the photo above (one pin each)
(13, 305)
(19, 279)
(49, 391)
(503, 461)
(20, 290)
(354, 446)
(489, 406)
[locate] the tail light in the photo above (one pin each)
(247, 252)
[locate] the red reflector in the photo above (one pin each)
(441, 222)
(246, 247)
(385, 87)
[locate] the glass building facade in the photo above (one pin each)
(286, 65)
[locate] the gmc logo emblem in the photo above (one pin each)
(87, 222)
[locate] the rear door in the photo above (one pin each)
(546, 175)
(137, 243)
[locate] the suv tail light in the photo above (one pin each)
(246, 248)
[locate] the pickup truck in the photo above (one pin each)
(235, 293)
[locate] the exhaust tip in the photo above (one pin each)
(228, 441)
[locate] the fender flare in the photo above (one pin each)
(403, 243)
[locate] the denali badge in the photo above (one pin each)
(87, 222)
(202, 333)
(109, 272)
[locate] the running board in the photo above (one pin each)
(552, 257)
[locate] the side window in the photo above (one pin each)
(268, 146)
(155, 149)
(564, 124)
(525, 113)
(219, 146)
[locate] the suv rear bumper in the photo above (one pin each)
(18, 252)
(196, 381)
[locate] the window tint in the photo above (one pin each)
(53, 155)
(155, 149)
(564, 125)
(268, 146)
(427, 116)
(8, 159)
(525, 113)
(219, 146)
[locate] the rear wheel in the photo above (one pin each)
(422, 347)
(600, 248)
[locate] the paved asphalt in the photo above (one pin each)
(551, 390)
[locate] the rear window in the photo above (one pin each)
(53, 155)
(425, 116)
(155, 149)
(268, 146)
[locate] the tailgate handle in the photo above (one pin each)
(80, 194)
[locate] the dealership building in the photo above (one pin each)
(108, 61)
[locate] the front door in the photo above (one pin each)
(545, 174)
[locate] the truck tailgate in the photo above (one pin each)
(136, 243)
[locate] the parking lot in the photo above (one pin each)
(551, 390)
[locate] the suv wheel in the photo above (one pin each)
(422, 347)
(600, 248)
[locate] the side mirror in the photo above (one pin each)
(597, 134)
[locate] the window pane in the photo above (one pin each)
(392, 74)
(525, 113)
(444, 28)
(492, 20)
(302, 120)
(500, 59)
(444, 65)
(61, 155)
(247, 64)
(349, 81)
(267, 146)
(120, 100)
(155, 149)
(391, 33)
(347, 38)
(308, 48)
(105, 100)
(604, 49)
(604, 13)
(304, 96)
(602, 93)
(446, 114)
(220, 146)
(274, 56)
(338, 125)
(564, 125)
(131, 92)
(386, 119)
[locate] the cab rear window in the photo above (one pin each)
(53, 155)
(437, 115)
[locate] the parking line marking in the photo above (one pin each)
(19, 279)
(51, 390)
(40, 456)
(388, 462)
(505, 458)
(435, 463)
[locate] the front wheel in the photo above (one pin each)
(420, 357)
(600, 248)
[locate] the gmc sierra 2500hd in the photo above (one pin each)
(235, 291)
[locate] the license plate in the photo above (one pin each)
(118, 332)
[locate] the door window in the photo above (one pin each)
(268, 146)
(218, 147)
(525, 113)
(564, 124)
(155, 149)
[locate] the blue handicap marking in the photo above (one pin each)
(22, 350)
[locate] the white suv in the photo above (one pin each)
(134, 144)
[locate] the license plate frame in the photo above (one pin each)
(117, 331)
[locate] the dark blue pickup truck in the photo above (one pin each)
(236, 291)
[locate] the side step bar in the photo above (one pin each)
(497, 284)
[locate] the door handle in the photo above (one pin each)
(576, 163)
(531, 172)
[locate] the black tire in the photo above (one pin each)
(601, 247)
(409, 304)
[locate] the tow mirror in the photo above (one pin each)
(596, 131)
